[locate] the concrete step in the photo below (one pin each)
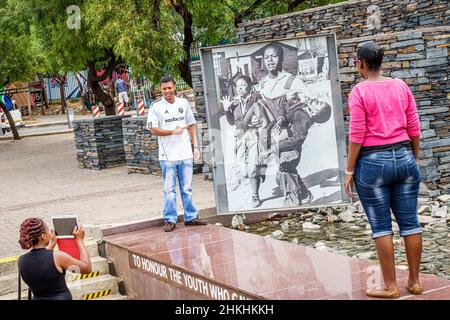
(8, 283)
(80, 288)
(8, 265)
(99, 267)
(13, 296)
(87, 286)
(113, 297)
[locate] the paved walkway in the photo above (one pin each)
(40, 177)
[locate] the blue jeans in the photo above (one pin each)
(388, 180)
(183, 169)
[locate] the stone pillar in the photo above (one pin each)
(99, 142)
(141, 147)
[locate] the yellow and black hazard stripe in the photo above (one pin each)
(85, 276)
(95, 295)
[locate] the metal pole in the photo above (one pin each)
(29, 103)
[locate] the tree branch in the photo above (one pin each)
(294, 4)
(239, 16)
(108, 70)
(188, 38)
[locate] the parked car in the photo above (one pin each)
(15, 114)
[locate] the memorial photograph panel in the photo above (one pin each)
(277, 124)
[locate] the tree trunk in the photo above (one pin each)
(62, 92)
(100, 95)
(80, 84)
(184, 66)
(12, 125)
(94, 82)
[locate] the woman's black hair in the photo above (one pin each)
(372, 54)
(245, 78)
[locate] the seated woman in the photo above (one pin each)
(44, 270)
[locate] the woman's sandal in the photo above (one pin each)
(416, 288)
(386, 294)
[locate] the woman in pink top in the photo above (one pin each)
(382, 165)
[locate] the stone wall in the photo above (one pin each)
(350, 19)
(420, 58)
(416, 37)
(99, 142)
(141, 147)
(201, 116)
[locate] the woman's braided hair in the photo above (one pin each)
(30, 231)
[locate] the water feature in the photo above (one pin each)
(320, 230)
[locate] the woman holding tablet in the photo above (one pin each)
(44, 270)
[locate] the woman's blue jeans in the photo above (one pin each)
(183, 170)
(385, 181)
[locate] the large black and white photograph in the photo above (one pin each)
(277, 124)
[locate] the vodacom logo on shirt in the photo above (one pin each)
(174, 119)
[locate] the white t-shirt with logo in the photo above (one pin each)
(165, 115)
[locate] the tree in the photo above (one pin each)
(208, 22)
(17, 56)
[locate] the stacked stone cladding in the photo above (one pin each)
(415, 35)
(99, 142)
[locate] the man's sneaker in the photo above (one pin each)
(195, 222)
(256, 202)
(169, 226)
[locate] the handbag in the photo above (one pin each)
(19, 283)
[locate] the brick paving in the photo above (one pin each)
(40, 177)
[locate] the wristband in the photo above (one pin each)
(349, 173)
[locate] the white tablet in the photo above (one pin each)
(64, 225)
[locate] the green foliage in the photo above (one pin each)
(144, 37)
(18, 54)
(146, 34)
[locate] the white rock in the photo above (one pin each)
(278, 234)
(308, 226)
(347, 216)
(423, 220)
(319, 244)
(444, 198)
(275, 222)
(440, 212)
(354, 228)
(323, 248)
(237, 221)
(424, 209)
(219, 224)
(368, 227)
(352, 209)
(247, 228)
(294, 241)
(395, 226)
(285, 227)
(365, 255)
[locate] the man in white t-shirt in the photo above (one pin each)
(172, 120)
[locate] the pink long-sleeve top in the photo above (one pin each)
(382, 112)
